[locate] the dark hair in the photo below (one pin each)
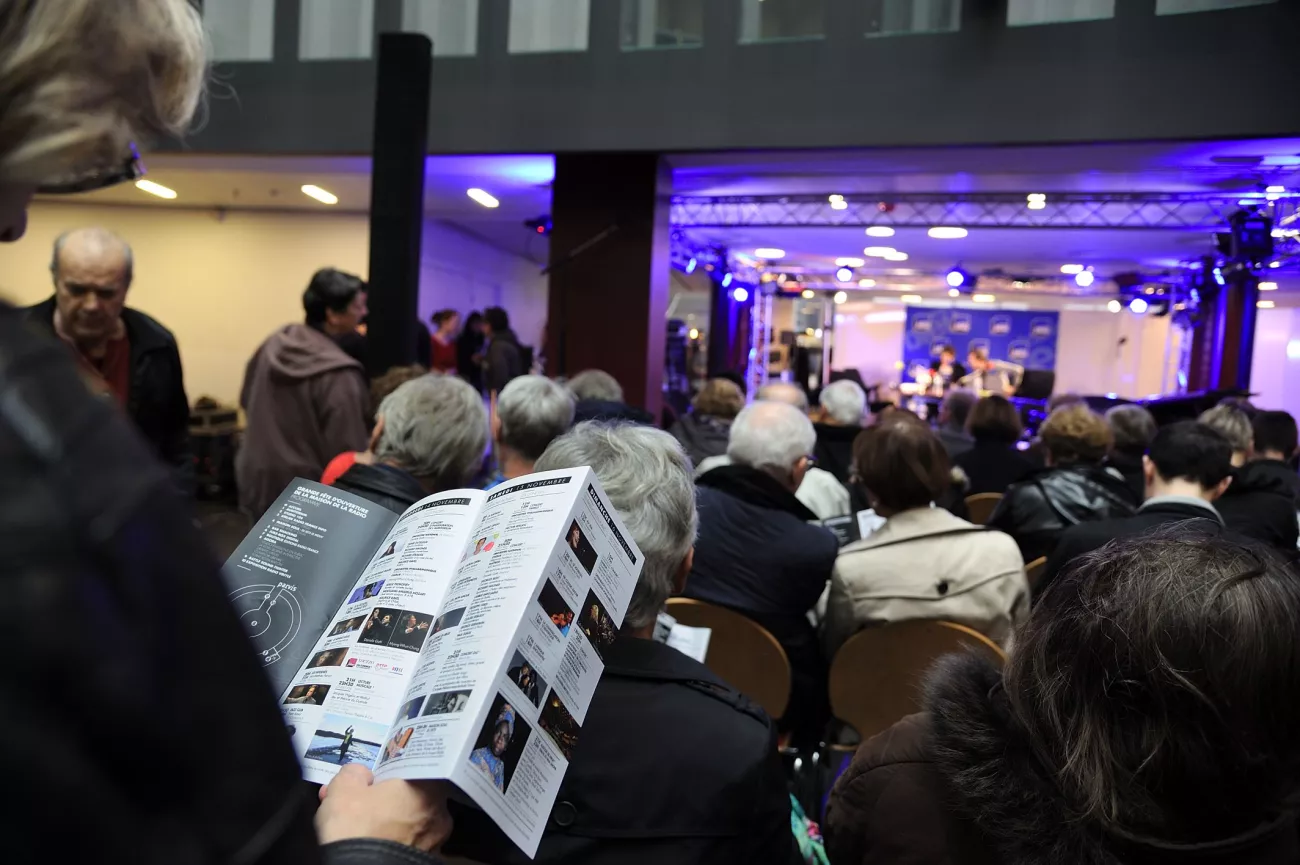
(995, 419)
(947, 349)
(330, 289)
(1241, 404)
(980, 354)
(497, 318)
(442, 315)
(1133, 428)
(1156, 681)
(735, 378)
(473, 318)
(1075, 434)
(901, 461)
(1191, 451)
(1275, 431)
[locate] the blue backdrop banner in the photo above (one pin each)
(1020, 336)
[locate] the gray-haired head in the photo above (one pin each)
(647, 477)
(532, 410)
(435, 427)
(844, 402)
(596, 384)
(956, 407)
(771, 437)
(94, 244)
(1133, 427)
(779, 391)
(1233, 424)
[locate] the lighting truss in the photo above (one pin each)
(1117, 210)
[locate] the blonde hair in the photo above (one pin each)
(81, 79)
(1233, 424)
(719, 398)
(1076, 434)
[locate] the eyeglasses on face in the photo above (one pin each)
(131, 168)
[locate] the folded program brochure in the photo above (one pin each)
(459, 641)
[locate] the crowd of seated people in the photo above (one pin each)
(1262, 501)
(705, 430)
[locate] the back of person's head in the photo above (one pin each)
(1275, 432)
(596, 385)
(1233, 424)
(443, 316)
(436, 428)
(1133, 428)
(735, 378)
(1241, 403)
(80, 80)
(771, 437)
(995, 419)
(980, 355)
(1158, 683)
(497, 319)
(843, 402)
(1063, 400)
(901, 462)
(1075, 434)
(395, 377)
(780, 391)
(1191, 451)
(719, 398)
(956, 407)
(473, 321)
(532, 411)
(330, 290)
(649, 480)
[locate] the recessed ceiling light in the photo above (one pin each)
(984, 298)
(849, 262)
(878, 251)
(1072, 268)
(866, 283)
(1114, 306)
(953, 292)
(1268, 286)
(1036, 196)
(1276, 189)
(880, 231)
(1084, 278)
(841, 204)
(948, 232)
(770, 253)
(834, 198)
(896, 256)
(1265, 304)
(809, 294)
(910, 298)
(324, 196)
(1275, 264)
(482, 197)
(841, 296)
(155, 189)
(694, 333)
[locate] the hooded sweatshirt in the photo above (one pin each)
(305, 400)
(1261, 503)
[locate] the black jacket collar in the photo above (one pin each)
(143, 332)
(384, 485)
(1180, 510)
(756, 487)
(1000, 785)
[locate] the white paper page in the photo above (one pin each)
(343, 701)
(691, 642)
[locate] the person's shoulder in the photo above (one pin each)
(142, 326)
(907, 741)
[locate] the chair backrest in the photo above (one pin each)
(981, 507)
(875, 679)
(1034, 570)
(741, 652)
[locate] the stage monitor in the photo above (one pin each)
(1037, 384)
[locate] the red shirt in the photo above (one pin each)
(113, 370)
(444, 355)
(338, 467)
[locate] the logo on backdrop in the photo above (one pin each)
(936, 347)
(922, 324)
(976, 345)
(1000, 325)
(959, 323)
(1041, 328)
(1018, 352)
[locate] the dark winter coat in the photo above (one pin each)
(1261, 503)
(1040, 507)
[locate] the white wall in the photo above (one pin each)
(1275, 370)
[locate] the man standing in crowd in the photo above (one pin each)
(1261, 502)
(530, 413)
(122, 352)
(305, 397)
(992, 376)
(1187, 468)
(504, 358)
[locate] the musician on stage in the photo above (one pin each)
(992, 376)
(946, 370)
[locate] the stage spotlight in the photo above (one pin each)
(880, 231)
(691, 265)
(1275, 264)
(947, 232)
(957, 278)
(1084, 278)
(1218, 276)
(1114, 306)
(844, 274)
(952, 292)
(1071, 269)
(841, 296)
(740, 295)
(1268, 286)
(726, 280)
(1137, 306)
(808, 294)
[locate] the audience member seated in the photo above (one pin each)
(304, 397)
(600, 397)
(1035, 452)
(1074, 487)
(1188, 467)
(705, 430)
(820, 492)
(429, 438)
(674, 766)
(1133, 429)
(838, 420)
(503, 357)
(1261, 503)
(1158, 728)
(992, 463)
(380, 388)
(924, 563)
(756, 553)
(531, 412)
(954, 415)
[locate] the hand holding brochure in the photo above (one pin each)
(462, 641)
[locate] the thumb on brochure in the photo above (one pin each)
(351, 777)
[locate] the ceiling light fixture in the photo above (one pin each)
(844, 274)
(834, 198)
(1071, 269)
(694, 333)
(866, 283)
(849, 262)
(482, 197)
(1275, 264)
(1084, 278)
(984, 298)
(942, 232)
(1275, 190)
(878, 251)
(1138, 306)
(691, 265)
(156, 189)
(952, 292)
(880, 231)
(1114, 306)
(841, 204)
(1268, 286)
(1037, 200)
(740, 294)
(1265, 304)
(809, 294)
(726, 280)
(840, 296)
(896, 256)
(910, 298)
(770, 253)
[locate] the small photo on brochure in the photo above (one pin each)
(341, 740)
(346, 626)
(396, 745)
(449, 619)
(379, 626)
(522, 672)
(393, 548)
(597, 624)
(447, 702)
(307, 695)
(410, 631)
(581, 548)
(410, 709)
(330, 658)
(369, 590)
(559, 725)
(557, 609)
(500, 744)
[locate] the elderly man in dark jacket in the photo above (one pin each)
(757, 553)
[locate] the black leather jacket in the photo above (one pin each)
(136, 725)
(1039, 508)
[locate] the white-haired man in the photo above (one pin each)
(674, 766)
(429, 437)
(529, 413)
(757, 553)
(838, 421)
(600, 397)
